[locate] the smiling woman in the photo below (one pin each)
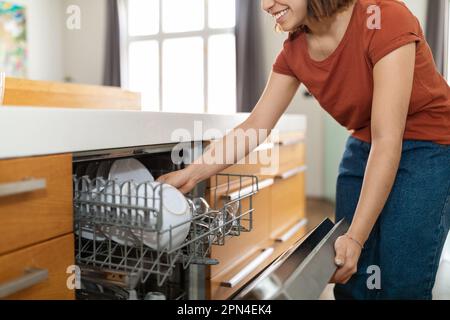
(394, 179)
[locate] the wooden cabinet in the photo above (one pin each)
(225, 284)
(36, 227)
(36, 221)
(238, 248)
(288, 204)
(288, 212)
(47, 263)
(24, 92)
(37, 200)
(279, 219)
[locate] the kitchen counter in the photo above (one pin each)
(33, 131)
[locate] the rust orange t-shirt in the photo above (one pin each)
(343, 83)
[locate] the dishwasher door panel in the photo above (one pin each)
(301, 273)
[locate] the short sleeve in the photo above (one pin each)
(281, 64)
(398, 27)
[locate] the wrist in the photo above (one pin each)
(357, 242)
(357, 237)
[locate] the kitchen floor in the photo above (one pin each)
(316, 211)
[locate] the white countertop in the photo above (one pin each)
(42, 131)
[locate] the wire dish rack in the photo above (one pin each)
(122, 237)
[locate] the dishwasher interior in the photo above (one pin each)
(124, 249)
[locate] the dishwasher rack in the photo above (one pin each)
(104, 208)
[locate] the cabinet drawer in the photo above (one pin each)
(291, 156)
(223, 285)
(53, 256)
(35, 200)
(288, 204)
(237, 248)
(269, 160)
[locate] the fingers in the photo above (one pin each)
(171, 178)
(347, 261)
(162, 179)
(340, 253)
(344, 273)
(186, 188)
(178, 180)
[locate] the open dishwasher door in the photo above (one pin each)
(302, 272)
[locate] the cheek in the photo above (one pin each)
(300, 8)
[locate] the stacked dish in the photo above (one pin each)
(144, 211)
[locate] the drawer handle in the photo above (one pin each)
(292, 231)
(31, 278)
(248, 269)
(250, 189)
(14, 188)
(291, 173)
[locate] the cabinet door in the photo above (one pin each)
(223, 285)
(237, 248)
(288, 204)
(38, 272)
(35, 200)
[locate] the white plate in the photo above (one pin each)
(122, 171)
(176, 212)
(130, 169)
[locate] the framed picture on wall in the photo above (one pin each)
(13, 39)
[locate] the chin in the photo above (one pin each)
(289, 27)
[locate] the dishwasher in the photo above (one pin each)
(111, 270)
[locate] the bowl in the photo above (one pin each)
(172, 229)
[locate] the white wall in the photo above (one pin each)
(84, 49)
(55, 52)
(45, 57)
(419, 8)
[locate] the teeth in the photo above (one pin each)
(280, 14)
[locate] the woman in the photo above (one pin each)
(369, 66)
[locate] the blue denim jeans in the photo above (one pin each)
(407, 240)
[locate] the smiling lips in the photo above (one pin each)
(279, 15)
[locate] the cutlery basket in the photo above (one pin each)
(114, 224)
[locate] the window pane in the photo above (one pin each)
(222, 74)
(143, 17)
(183, 83)
(222, 13)
(183, 15)
(144, 72)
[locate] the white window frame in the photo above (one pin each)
(126, 40)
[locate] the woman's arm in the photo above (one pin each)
(393, 81)
(277, 96)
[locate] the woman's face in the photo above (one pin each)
(288, 14)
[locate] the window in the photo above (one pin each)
(181, 54)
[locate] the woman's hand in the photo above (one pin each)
(183, 180)
(348, 252)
